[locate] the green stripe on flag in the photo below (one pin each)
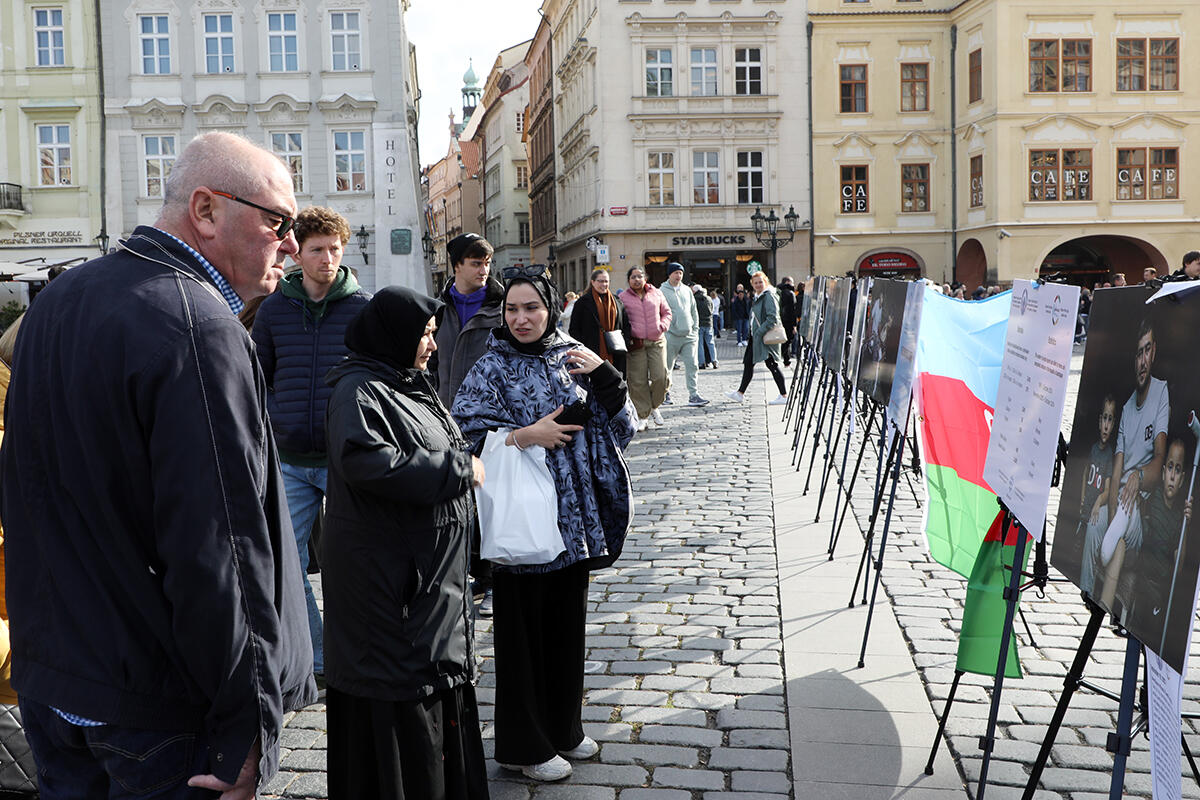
(984, 610)
(960, 513)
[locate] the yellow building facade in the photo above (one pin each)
(51, 199)
(995, 139)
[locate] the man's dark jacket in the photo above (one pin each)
(739, 307)
(787, 308)
(460, 346)
(298, 342)
(585, 326)
(153, 580)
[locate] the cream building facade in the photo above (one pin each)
(329, 85)
(50, 122)
(674, 120)
(997, 140)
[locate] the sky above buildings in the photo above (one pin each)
(446, 34)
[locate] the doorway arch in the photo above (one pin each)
(1088, 260)
(972, 265)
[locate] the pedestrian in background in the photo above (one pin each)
(739, 314)
(787, 316)
(718, 317)
(530, 373)
(402, 715)
(684, 332)
(646, 363)
(299, 333)
(157, 615)
(707, 353)
(764, 315)
(564, 321)
(470, 311)
(598, 312)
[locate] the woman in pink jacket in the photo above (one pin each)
(646, 364)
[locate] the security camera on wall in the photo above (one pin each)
(1004, 234)
(833, 239)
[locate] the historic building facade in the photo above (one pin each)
(539, 148)
(329, 85)
(692, 115)
(50, 121)
(995, 140)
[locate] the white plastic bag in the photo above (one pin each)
(518, 505)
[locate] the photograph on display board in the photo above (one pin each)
(856, 333)
(881, 339)
(906, 355)
(1124, 531)
(833, 339)
(805, 311)
(818, 306)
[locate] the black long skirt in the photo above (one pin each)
(426, 749)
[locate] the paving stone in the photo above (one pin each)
(676, 734)
(650, 754)
(689, 778)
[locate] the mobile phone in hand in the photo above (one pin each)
(578, 413)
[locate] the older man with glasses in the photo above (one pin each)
(158, 622)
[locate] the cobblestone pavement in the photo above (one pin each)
(684, 673)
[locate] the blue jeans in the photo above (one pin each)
(743, 330)
(110, 761)
(708, 353)
(305, 490)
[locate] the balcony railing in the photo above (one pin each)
(10, 197)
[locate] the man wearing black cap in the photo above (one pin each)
(684, 332)
(472, 309)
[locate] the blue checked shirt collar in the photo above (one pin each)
(235, 303)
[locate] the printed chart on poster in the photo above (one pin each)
(1029, 403)
(906, 358)
(1125, 534)
(880, 345)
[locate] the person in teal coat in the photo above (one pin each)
(764, 315)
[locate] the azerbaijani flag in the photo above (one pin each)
(958, 363)
(985, 606)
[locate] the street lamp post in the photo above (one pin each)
(766, 230)
(364, 238)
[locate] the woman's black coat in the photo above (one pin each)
(399, 514)
(585, 326)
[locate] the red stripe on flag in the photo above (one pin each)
(955, 427)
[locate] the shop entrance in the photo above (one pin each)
(720, 270)
(889, 264)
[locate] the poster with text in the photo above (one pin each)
(880, 344)
(1125, 533)
(833, 335)
(1029, 402)
(817, 297)
(856, 332)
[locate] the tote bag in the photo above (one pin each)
(518, 505)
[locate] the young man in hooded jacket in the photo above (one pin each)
(299, 332)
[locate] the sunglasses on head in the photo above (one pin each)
(519, 271)
(287, 222)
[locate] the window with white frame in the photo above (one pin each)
(521, 120)
(350, 161)
(49, 38)
(155, 37)
(659, 73)
(706, 177)
(661, 179)
(704, 71)
(289, 146)
(522, 177)
(282, 42)
(158, 156)
(522, 232)
(747, 70)
(218, 43)
(54, 155)
(750, 177)
(347, 40)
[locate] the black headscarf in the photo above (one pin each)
(390, 327)
(549, 294)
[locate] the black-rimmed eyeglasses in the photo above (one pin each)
(287, 222)
(520, 271)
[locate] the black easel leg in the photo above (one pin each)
(830, 452)
(1011, 596)
(816, 440)
(941, 731)
(802, 411)
(841, 486)
(1025, 622)
(837, 531)
(814, 413)
(1070, 684)
(887, 521)
(1121, 742)
(881, 473)
(1187, 751)
(794, 387)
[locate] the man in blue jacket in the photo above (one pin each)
(300, 332)
(154, 593)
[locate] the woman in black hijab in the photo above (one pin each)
(403, 723)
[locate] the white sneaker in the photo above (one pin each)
(778, 401)
(738, 396)
(555, 769)
(582, 751)
(657, 417)
(642, 423)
